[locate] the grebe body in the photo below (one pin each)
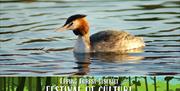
(103, 41)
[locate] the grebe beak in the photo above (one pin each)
(61, 29)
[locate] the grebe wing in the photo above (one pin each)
(114, 41)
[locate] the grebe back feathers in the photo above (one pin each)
(115, 41)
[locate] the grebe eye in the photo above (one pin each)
(70, 24)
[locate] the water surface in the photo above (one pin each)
(29, 46)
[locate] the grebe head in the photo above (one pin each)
(77, 23)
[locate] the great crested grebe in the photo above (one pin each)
(104, 41)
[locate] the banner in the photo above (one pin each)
(91, 83)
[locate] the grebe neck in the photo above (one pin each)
(82, 44)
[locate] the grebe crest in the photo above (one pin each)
(104, 41)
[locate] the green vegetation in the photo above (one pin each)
(76, 83)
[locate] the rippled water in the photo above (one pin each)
(30, 46)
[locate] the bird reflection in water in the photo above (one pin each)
(84, 59)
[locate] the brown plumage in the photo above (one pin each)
(83, 27)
